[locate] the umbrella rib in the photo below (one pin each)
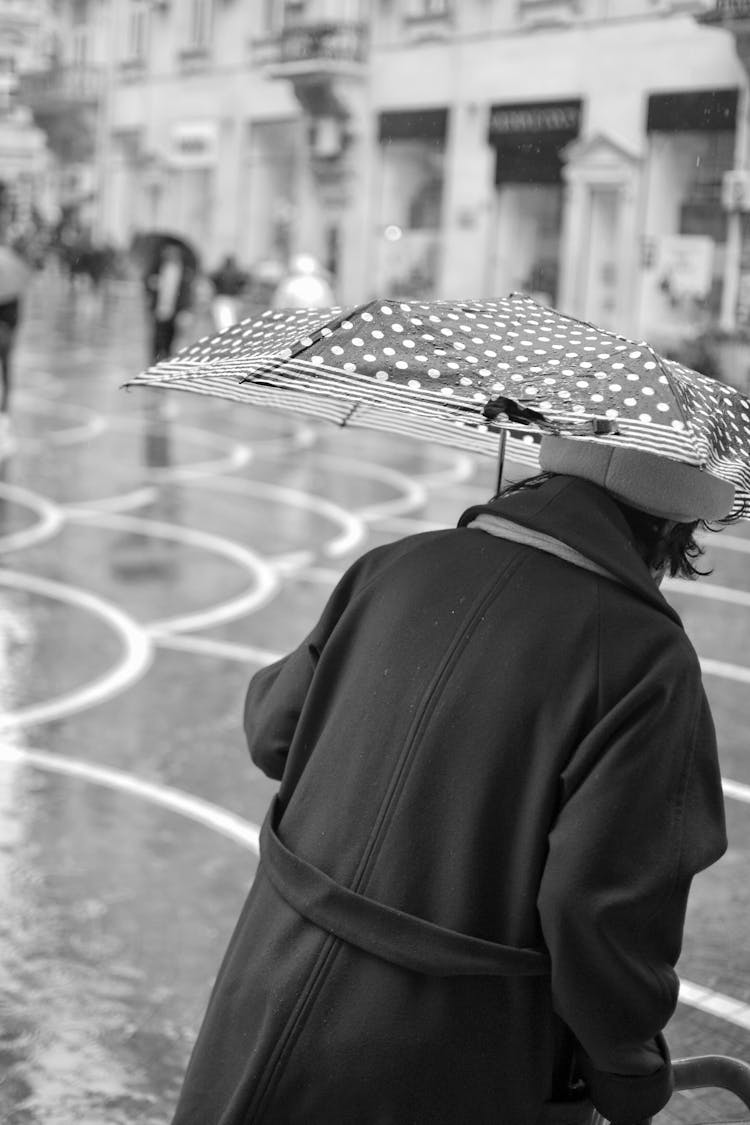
(345, 384)
(672, 386)
(330, 327)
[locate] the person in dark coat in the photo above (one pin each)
(498, 776)
(169, 293)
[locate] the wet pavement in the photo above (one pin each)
(149, 565)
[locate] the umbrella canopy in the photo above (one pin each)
(463, 372)
(147, 249)
(14, 275)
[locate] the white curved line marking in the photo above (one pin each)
(125, 501)
(354, 530)
(51, 518)
(207, 646)
(136, 659)
(92, 426)
(715, 1003)
(237, 456)
(213, 816)
(461, 469)
(414, 493)
(404, 525)
(246, 833)
(724, 670)
(736, 790)
(291, 561)
(267, 581)
(726, 542)
(708, 590)
(322, 574)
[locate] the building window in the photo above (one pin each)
(295, 12)
(426, 8)
(200, 24)
(270, 16)
(80, 12)
(137, 31)
(7, 83)
(80, 46)
(410, 215)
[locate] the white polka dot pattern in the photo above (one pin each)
(443, 369)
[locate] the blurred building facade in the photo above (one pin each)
(24, 158)
(63, 90)
(575, 149)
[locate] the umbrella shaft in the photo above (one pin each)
(501, 459)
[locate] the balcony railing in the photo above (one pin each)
(60, 87)
(320, 48)
(541, 13)
(431, 21)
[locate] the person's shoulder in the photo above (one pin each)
(650, 634)
(382, 557)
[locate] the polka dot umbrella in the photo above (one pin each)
(463, 373)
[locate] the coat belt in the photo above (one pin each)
(385, 932)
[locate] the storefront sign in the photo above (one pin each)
(533, 119)
(194, 145)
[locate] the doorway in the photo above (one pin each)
(600, 270)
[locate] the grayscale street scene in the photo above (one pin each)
(170, 171)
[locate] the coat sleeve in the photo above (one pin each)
(642, 812)
(277, 693)
(273, 703)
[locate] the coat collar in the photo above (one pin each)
(586, 518)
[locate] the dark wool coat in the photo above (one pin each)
(495, 743)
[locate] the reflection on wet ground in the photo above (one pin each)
(152, 558)
(100, 990)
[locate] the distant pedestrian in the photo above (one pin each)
(228, 282)
(305, 286)
(498, 776)
(14, 277)
(169, 293)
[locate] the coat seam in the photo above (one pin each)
(406, 758)
(292, 1030)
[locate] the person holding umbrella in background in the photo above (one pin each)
(14, 278)
(169, 293)
(497, 766)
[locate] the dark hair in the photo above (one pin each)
(662, 544)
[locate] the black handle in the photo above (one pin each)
(706, 1072)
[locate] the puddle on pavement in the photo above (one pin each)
(115, 916)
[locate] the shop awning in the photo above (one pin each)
(413, 124)
(692, 111)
